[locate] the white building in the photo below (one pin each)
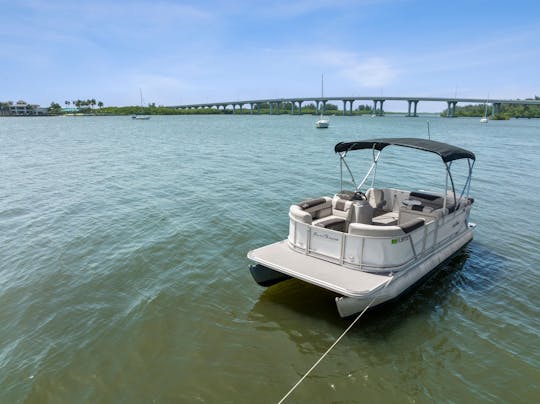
(22, 108)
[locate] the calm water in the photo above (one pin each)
(123, 270)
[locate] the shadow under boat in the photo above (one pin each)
(433, 289)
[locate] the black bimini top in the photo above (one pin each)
(446, 151)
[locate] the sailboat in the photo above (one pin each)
(323, 122)
(141, 117)
(484, 119)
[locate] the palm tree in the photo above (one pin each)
(100, 104)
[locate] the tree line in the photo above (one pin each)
(506, 111)
(87, 106)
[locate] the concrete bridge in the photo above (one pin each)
(275, 104)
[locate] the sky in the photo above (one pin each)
(181, 52)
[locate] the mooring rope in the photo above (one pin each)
(332, 346)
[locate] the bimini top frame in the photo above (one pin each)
(448, 154)
(445, 151)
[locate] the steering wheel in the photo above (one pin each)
(359, 196)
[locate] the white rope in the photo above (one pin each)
(329, 349)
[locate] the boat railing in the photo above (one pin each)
(387, 250)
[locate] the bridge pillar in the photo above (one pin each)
(451, 109)
(279, 107)
(292, 108)
(345, 106)
(251, 108)
(271, 108)
(317, 106)
(414, 104)
(323, 106)
(496, 109)
(300, 107)
(380, 111)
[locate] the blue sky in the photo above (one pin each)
(181, 52)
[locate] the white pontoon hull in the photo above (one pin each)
(358, 289)
(403, 281)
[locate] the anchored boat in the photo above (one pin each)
(370, 247)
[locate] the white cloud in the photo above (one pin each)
(367, 71)
(372, 72)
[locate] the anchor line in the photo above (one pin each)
(331, 347)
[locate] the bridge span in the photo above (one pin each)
(275, 104)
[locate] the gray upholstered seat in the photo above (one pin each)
(341, 215)
(375, 197)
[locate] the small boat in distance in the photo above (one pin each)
(371, 247)
(323, 122)
(141, 117)
(484, 119)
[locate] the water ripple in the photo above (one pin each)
(124, 270)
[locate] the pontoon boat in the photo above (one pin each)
(370, 247)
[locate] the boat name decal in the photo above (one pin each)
(326, 236)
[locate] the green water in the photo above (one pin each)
(124, 278)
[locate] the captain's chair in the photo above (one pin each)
(375, 198)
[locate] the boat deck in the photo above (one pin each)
(348, 282)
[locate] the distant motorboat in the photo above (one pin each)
(483, 120)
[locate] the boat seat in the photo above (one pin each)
(386, 219)
(332, 223)
(432, 201)
(297, 213)
(317, 208)
(371, 230)
(375, 197)
(414, 209)
(342, 208)
(340, 217)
